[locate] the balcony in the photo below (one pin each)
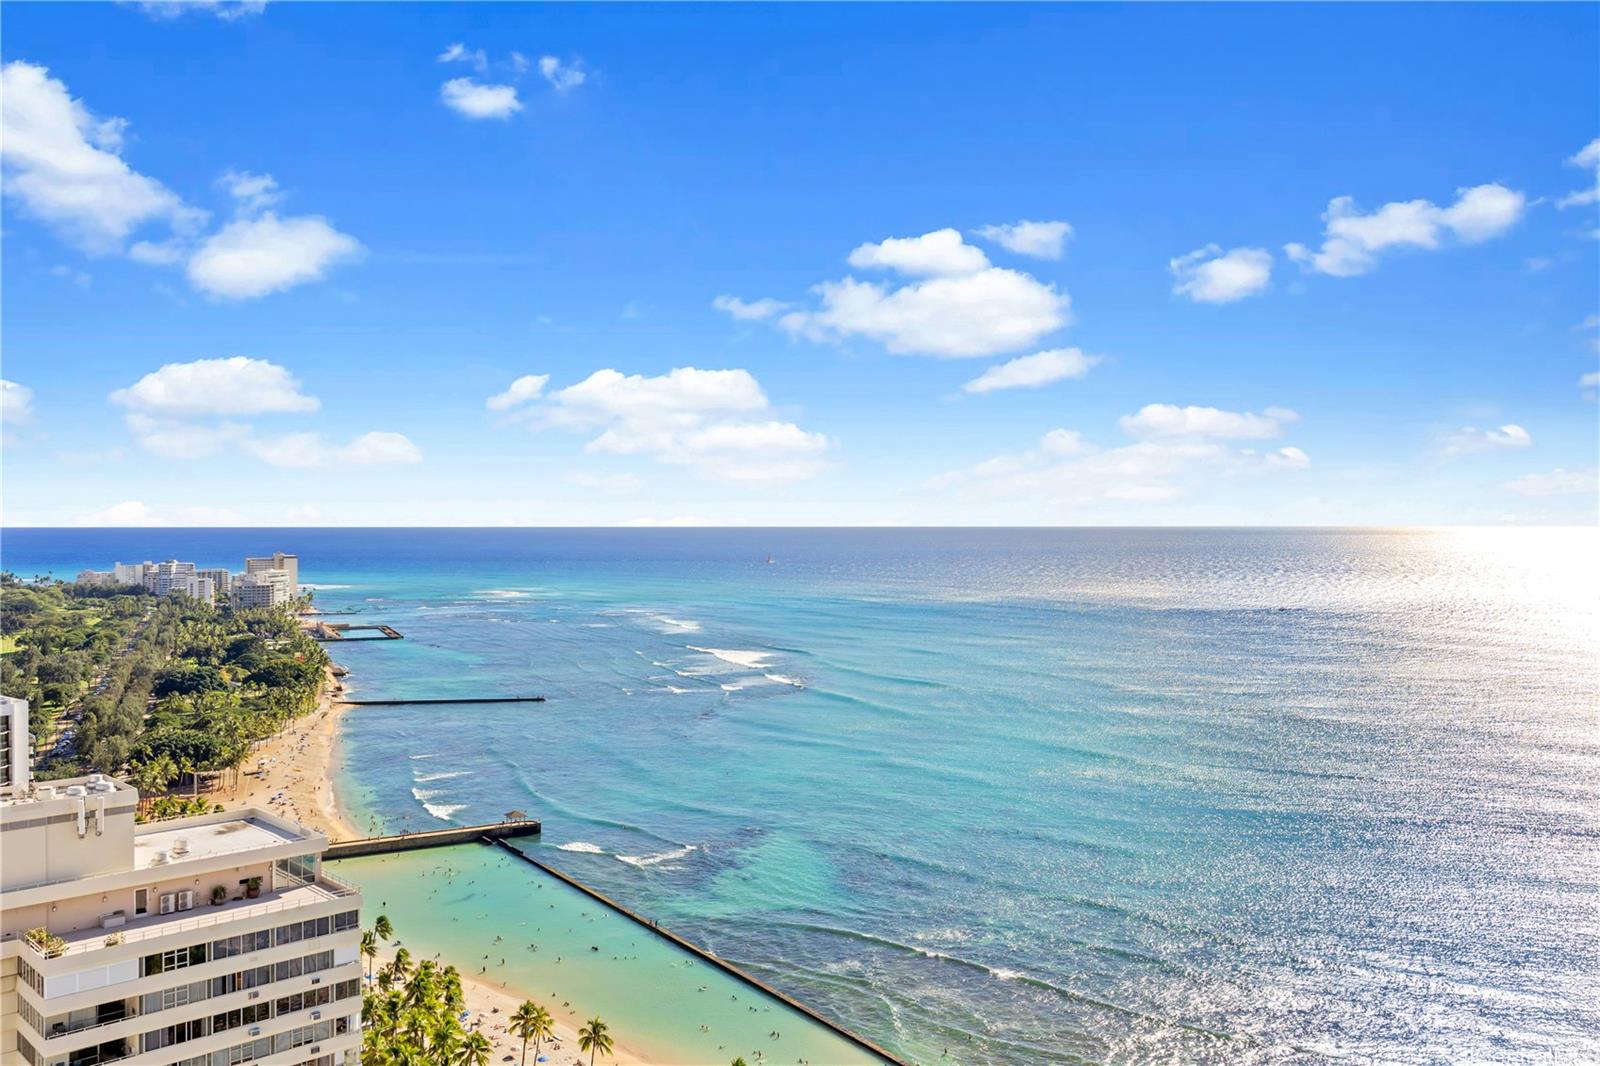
(203, 917)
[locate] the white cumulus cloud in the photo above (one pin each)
(253, 191)
(1033, 371)
(460, 53)
(477, 100)
(1587, 157)
(16, 403)
(378, 448)
(941, 252)
(957, 305)
(1064, 469)
(1353, 240)
(1210, 275)
(526, 388)
(237, 385)
(1165, 420)
(562, 75)
(1469, 439)
(716, 422)
(252, 257)
(64, 166)
(1041, 240)
(748, 310)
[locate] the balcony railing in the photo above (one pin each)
(301, 895)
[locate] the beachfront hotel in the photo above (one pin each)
(204, 941)
(266, 581)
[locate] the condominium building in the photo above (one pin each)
(221, 580)
(131, 573)
(15, 758)
(204, 941)
(263, 588)
(172, 576)
(95, 577)
(279, 562)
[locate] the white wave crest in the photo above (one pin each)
(656, 860)
(784, 679)
(683, 625)
(443, 775)
(750, 660)
(427, 755)
(582, 845)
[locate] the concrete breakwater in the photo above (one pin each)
(433, 838)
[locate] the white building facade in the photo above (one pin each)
(206, 941)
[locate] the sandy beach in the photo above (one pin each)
(291, 774)
(491, 1006)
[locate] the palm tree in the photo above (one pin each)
(369, 948)
(531, 1022)
(739, 1061)
(473, 1051)
(401, 962)
(594, 1038)
(383, 927)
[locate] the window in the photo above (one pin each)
(302, 868)
(175, 959)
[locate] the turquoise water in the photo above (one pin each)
(581, 959)
(1023, 796)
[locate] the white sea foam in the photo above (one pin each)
(732, 688)
(750, 660)
(427, 755)
(441, 811)
(504, 594)
(583, 846)
(784, 679)
(596, 625)
(1005, 974)
(443, 775)
(656, 860)
(680, 624)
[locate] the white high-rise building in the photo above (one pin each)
(15, 759)
(262, 588)
(280, 562)
(173, 576)
(131, 573)
(192, 942)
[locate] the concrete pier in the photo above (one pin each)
(444, 699)
(433, 838)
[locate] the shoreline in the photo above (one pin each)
(293, 774)
(492, 1007)
(293, 770)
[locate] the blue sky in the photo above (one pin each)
(763, 265)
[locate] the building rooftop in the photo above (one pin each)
(44, 791)
(163, 845)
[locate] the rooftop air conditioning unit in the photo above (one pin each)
(180, 846)
(169, 903)
(95, 779)
(103, 786)
(47, 792)
(77, 790)
(186, 899)
(160, 859)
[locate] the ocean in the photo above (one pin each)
(1019, 796)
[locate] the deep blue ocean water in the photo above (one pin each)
(1022, 795)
